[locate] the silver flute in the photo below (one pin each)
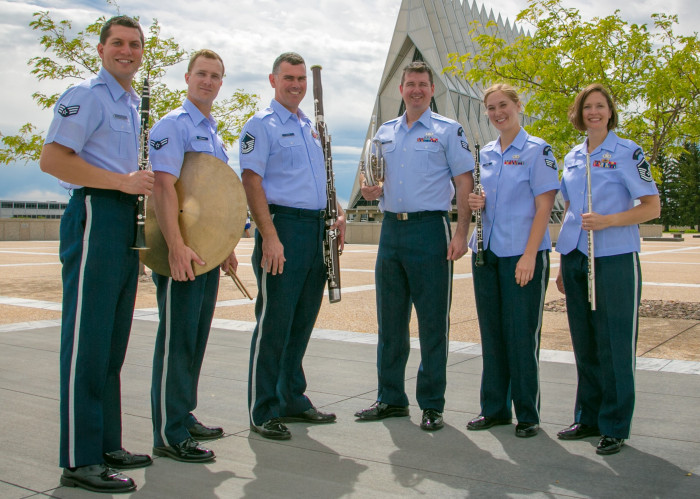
(591, 249)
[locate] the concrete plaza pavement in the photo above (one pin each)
(348, 458)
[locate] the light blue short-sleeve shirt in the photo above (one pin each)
(511, 180)
(619, 174)
(98, 120)
(285, 150)
(421, 161)
(182, 130)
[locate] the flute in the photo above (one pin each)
(140, 240)
(331, 248)
(591, 249)
(478, 189)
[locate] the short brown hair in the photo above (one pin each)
(291, 57)
(126, 21)
(576, 109)
(209, 54)
(509, 92)
(417, 67)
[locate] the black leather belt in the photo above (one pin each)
(415, 215)
(298, 212)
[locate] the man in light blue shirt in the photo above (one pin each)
(92, 148)
(423, 152)
(185, 302)
(284, 176)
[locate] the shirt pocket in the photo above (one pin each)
(199, 145)
(293, 151)
(426, 153)
(124, 135)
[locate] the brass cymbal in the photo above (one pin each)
(212, 216)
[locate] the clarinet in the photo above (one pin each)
(591, 249)
(331, 250)
(478, 189)
(140, 241)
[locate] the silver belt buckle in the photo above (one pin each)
(402, 216)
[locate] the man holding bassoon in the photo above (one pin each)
(92, 148)
(423, 151)
(285, 179)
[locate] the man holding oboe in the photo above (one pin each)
(423, 152)
(185, 302)
(284, 177)
(92, 148)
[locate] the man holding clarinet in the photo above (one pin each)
(92, 148)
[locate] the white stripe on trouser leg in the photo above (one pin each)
(450, 265)
(635, 307)
(543, 292)
(76, 332)
(166, 357)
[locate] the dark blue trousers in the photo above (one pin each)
(186, 309)
(286, 309)
(510, 322)
(412, 268)
(100, 273)
(604, 341)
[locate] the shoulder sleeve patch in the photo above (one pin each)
(460, 132)
(638, 154)
(466, 146)
(551, 163)
(66, 111)
(547, 150)
(247, 143)
(159, 144)
(644, 170)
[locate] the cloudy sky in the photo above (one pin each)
(350, 39)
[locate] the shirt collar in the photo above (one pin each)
(196, 115)
(114, 87)
(425, 119)
(285, 113)
(518, 142)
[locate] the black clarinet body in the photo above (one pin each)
(331, 248)
(478, 189)
(140, 240)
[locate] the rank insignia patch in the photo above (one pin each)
(247, 144)
(551, 163)
(644, 170)
(460, 132)
(547, 150)
(158, 144)
(66, 111)
(638, 154)
(466, 146)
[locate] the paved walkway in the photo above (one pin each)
(346, 459)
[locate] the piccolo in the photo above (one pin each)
(591, 249)
(478, 190)
(140, 240)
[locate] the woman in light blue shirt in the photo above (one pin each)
(519, 180)
(604, 340)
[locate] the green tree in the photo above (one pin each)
(689, 185)
(73, 57)
(652, 74)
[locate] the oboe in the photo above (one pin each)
(140, 241)
(331, 250)
(478, 189)
(591, 249)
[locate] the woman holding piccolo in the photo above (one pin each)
(604, 331)
(519, 181)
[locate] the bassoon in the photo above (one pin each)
(140, 241)
(331, 249)
(478, 189)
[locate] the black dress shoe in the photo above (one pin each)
(431, 420)
(187, 451)
(609, 445)
(526, 430)
(577, 431)
(124, 460)
(97, 478)
(484, 423)
(274, 429)
(311, 415)
(380, 410)
(200, 432)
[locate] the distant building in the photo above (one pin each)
(32, 209)
(429, 30)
